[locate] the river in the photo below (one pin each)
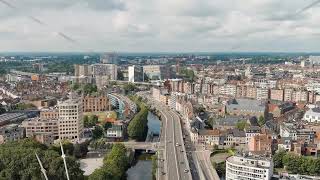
(142, 169)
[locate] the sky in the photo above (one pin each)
(160, 25)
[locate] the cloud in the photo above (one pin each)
(159, 25)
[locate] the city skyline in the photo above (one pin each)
(159, 26)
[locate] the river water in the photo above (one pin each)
(142, 169)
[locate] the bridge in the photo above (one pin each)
(148, 146)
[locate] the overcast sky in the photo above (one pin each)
(160, 25)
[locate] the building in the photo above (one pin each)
(288, 94)
(312, 115)
(248, 167)
(95, 103)
(261, 143)
(82, 70)
(262, 93)
(314, 60)
(11, 132)
(135, 74)
(108, 71)
(115, 132)
(37, 126)
(276, 94)
(70, 119)
(300, 96)
(210, 137)
(49, 114)
(154, 72)
(246, 107)
(44, 138)
(109, 58)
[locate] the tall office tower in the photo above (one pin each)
(70, 119)
(82, 70)
(135, 73)
(109, 58)
(110, 71)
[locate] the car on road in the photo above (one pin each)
(186, 170)
(177, 144)
(163, 173)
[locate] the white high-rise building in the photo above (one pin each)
(70, 119)
(249, 167)
(135, 73)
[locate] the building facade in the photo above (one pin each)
(247, 168)
(70, 119)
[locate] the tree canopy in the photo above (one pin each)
(138, 126)
(18, 161)
(241, 125)
(297, 164)
(90, 121)
(115, 164)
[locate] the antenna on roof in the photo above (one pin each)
(64, 161)
(42, 169)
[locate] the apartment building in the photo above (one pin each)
(70, 119)
(312, 115)
(251, 92)
(246, 107)
(95, 103)
(109, 71)
(11, 132)
(210, 137)
(262, 93)
(300, 96)
(49, 114)
(261, 143)
(288, 94)
(37, 126)
(277, 94)
(248, 167)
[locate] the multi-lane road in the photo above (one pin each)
(173, 162)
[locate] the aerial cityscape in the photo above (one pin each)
(159, 90)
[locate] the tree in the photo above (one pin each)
(80, 150)
(277, 159)
(107, 125)
(75, 86)
(89, 88)
(261, 121)
(23, 106)
(18, 161)
(97, 132)
(2, 109)
(115, 164)
(241, 125)
(220, 168)
(90, 121)
(86, 121)
(129, 87)
(138, 126)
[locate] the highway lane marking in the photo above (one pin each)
(182, 145)
(174, 145)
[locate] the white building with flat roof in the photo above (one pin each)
(312, 115)
(248, 168)
(70, 119)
